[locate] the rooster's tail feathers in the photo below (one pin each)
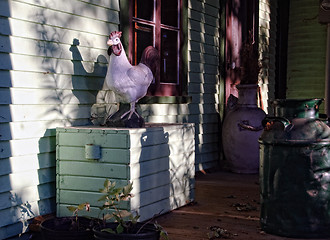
(150, 58)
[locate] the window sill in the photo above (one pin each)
(165, 100)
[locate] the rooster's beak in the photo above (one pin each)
(110, 42)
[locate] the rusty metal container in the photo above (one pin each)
(295, 171)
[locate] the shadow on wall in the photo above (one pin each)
(153, 177)
(165, 176)
(98, 95)
(85, 87)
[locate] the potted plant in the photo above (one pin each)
(125, 225)
(242, 126)
(74, 227)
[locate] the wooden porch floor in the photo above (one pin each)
(226, 200)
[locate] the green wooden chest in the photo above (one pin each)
(159, 159)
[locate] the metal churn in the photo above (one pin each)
(295, 170)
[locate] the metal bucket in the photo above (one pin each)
(295, 171)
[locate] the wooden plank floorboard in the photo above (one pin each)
(226, 200)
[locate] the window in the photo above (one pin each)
(158, 23)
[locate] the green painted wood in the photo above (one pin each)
(108, 155)
(85, 183)
(93, 169)
(69, 197)
(159, 169)
(62, 210)
(306, 52)
(104, 140)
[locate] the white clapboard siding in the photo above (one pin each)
(94, 11)
(44, 112)
(21, 96)
(23, 212)
(33, 129)
(164, 109)
(267, 46)
(27, 146)
(27, 163)
(53, 34)
(41, 64)
(19, 45)
(28, 194)
(53, 60)
(21, 180)
(40, 80)
(203, 75)
(47, 16)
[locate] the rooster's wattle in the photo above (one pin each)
(129, 83)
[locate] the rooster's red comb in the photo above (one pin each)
(115, 34)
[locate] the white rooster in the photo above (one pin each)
(129, 83)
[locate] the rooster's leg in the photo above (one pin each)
(130, 112)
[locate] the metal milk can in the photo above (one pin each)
(295, 170)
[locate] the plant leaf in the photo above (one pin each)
(127, 189)
(118, 219)
(82, 206)
(108, 216)
(120, 229)
(71, 208)
(124, 213)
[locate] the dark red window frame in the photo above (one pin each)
(158, 88)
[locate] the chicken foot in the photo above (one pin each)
(130, 112)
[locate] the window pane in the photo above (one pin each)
(169, 55)
(169, 13)
(143, 9)
(143, 37)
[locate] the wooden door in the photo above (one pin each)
(241, 17)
